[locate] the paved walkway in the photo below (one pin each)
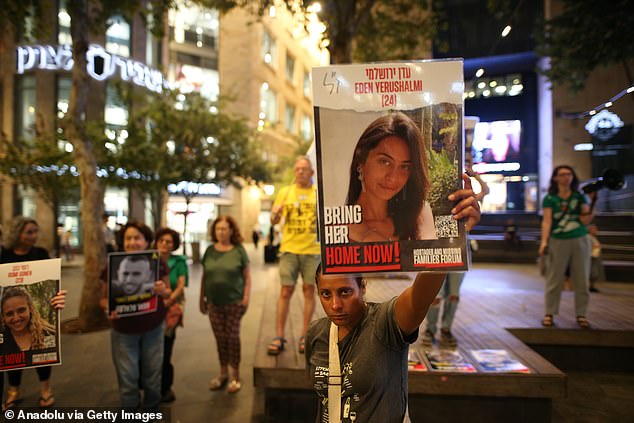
(87, 377)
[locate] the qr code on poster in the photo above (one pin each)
(446, 227)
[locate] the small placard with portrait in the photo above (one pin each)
(131, 278)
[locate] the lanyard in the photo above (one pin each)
(334, 376)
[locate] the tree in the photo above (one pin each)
(362, 29)
(41, 165)
(585, 35)
(86, 16)
(178, 138)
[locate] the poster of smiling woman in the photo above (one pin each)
(389, 140)
(29, 324)
(131, 277)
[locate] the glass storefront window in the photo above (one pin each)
(290, 68)
(191, 24)
(268, 103)
(116, 111)
(202, 212)
(269, 49)
(116, 204)
(307, 84)
(508, 193)
(189, 78)
(27, 198)
(115, 117)
(63, 25)
(69, 218)
(25, 108)
(118, 36)
(289, 118)
(306, 128)
(63, 94)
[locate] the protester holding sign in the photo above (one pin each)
(22, 235)
(137, 340)
(357, 355)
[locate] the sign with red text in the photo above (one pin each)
(30, 325)
(390, 151)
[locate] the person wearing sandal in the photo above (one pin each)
(566, 213)
(357, 355)
(19, 247)
(224, 296)
(167, 241)
(300, 251)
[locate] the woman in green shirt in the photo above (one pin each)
(566, 214)
(224, 296)
(167, 241)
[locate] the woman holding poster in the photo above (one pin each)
(388, 180)
(357, 355)
(137, 340)
(20, 246)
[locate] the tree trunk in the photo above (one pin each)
(341, 50)
(90, 314)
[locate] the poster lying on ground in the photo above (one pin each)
(131, 277)
(389, 141)
(498, 361)
(414, 361)
(30, 325)
(444, 360)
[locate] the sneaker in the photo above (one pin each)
(447, 338)
(428, 338)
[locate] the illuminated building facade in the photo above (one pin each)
(263, 65)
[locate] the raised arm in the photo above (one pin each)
(411, 306)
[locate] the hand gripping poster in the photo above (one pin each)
(30, 323)
(389, 140)
(131, 278)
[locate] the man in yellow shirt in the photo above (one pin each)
(300, 252)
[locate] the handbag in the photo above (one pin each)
(173, 316)
(543, 262)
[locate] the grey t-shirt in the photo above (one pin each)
(373, 364)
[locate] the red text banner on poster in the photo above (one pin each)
(365, 257)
